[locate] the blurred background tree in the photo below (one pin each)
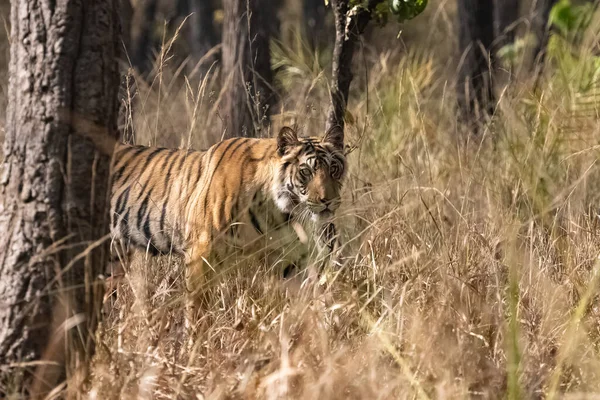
(246, 69)
(238, 40)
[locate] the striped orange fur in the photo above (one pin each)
(190, 202)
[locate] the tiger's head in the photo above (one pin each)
(310, 173)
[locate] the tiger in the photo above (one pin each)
(194, 202)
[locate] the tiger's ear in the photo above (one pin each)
(335, 136)
(287, 138)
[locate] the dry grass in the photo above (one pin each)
(471, 266)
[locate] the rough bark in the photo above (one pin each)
(476, 36)
(54, 186)
(247, 74)
(347, 32)
(142, 24)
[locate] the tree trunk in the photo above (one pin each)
(476, 36)
(202, 36)
(314, 12)
(506, 21)
(541, 30)
(505, 24)
(126, 14)
(142, 25)
(248, 96)
(54, 187)
(347, 33)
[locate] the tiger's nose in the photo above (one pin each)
(324, 200)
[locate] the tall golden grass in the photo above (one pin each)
(471, 263)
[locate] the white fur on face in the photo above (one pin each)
(282, 199)
(284, 203)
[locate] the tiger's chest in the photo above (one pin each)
(261, 224)
(262, 228)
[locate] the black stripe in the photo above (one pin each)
(168, 175)
(148, 234)
(148, 160)
(142, 212)
(198, 169)
(164, 165)
(208, 186)
(147, 231)
(163, 231)
(163, 215)
(122, 149)
(167, 178)
(233, 141)
(151, 156)
(235, 210)
(126, 164)
(118, 174)
(214, 149)
(287, 217)
(152, 250)
(185, 156)
(122, 202)
(167, 160)
(254, 221)
(125, 226)
(308, 148)
(138, 151)
(245, 153)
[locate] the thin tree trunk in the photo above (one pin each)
(346, 37)
(541, 30)
(476, 35)
(202, 36)
(505, 22)
(247, 72)
(54, 187)
(141, 35)
(314, 12)
(126, 14)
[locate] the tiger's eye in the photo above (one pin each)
(306, 173)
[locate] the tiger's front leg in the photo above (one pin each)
(329, 244)
(194, 283)
(119, 261)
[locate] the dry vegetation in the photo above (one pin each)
(471, 266)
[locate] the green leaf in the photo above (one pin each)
(562, 16)
(406, 9)
(570, 19)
